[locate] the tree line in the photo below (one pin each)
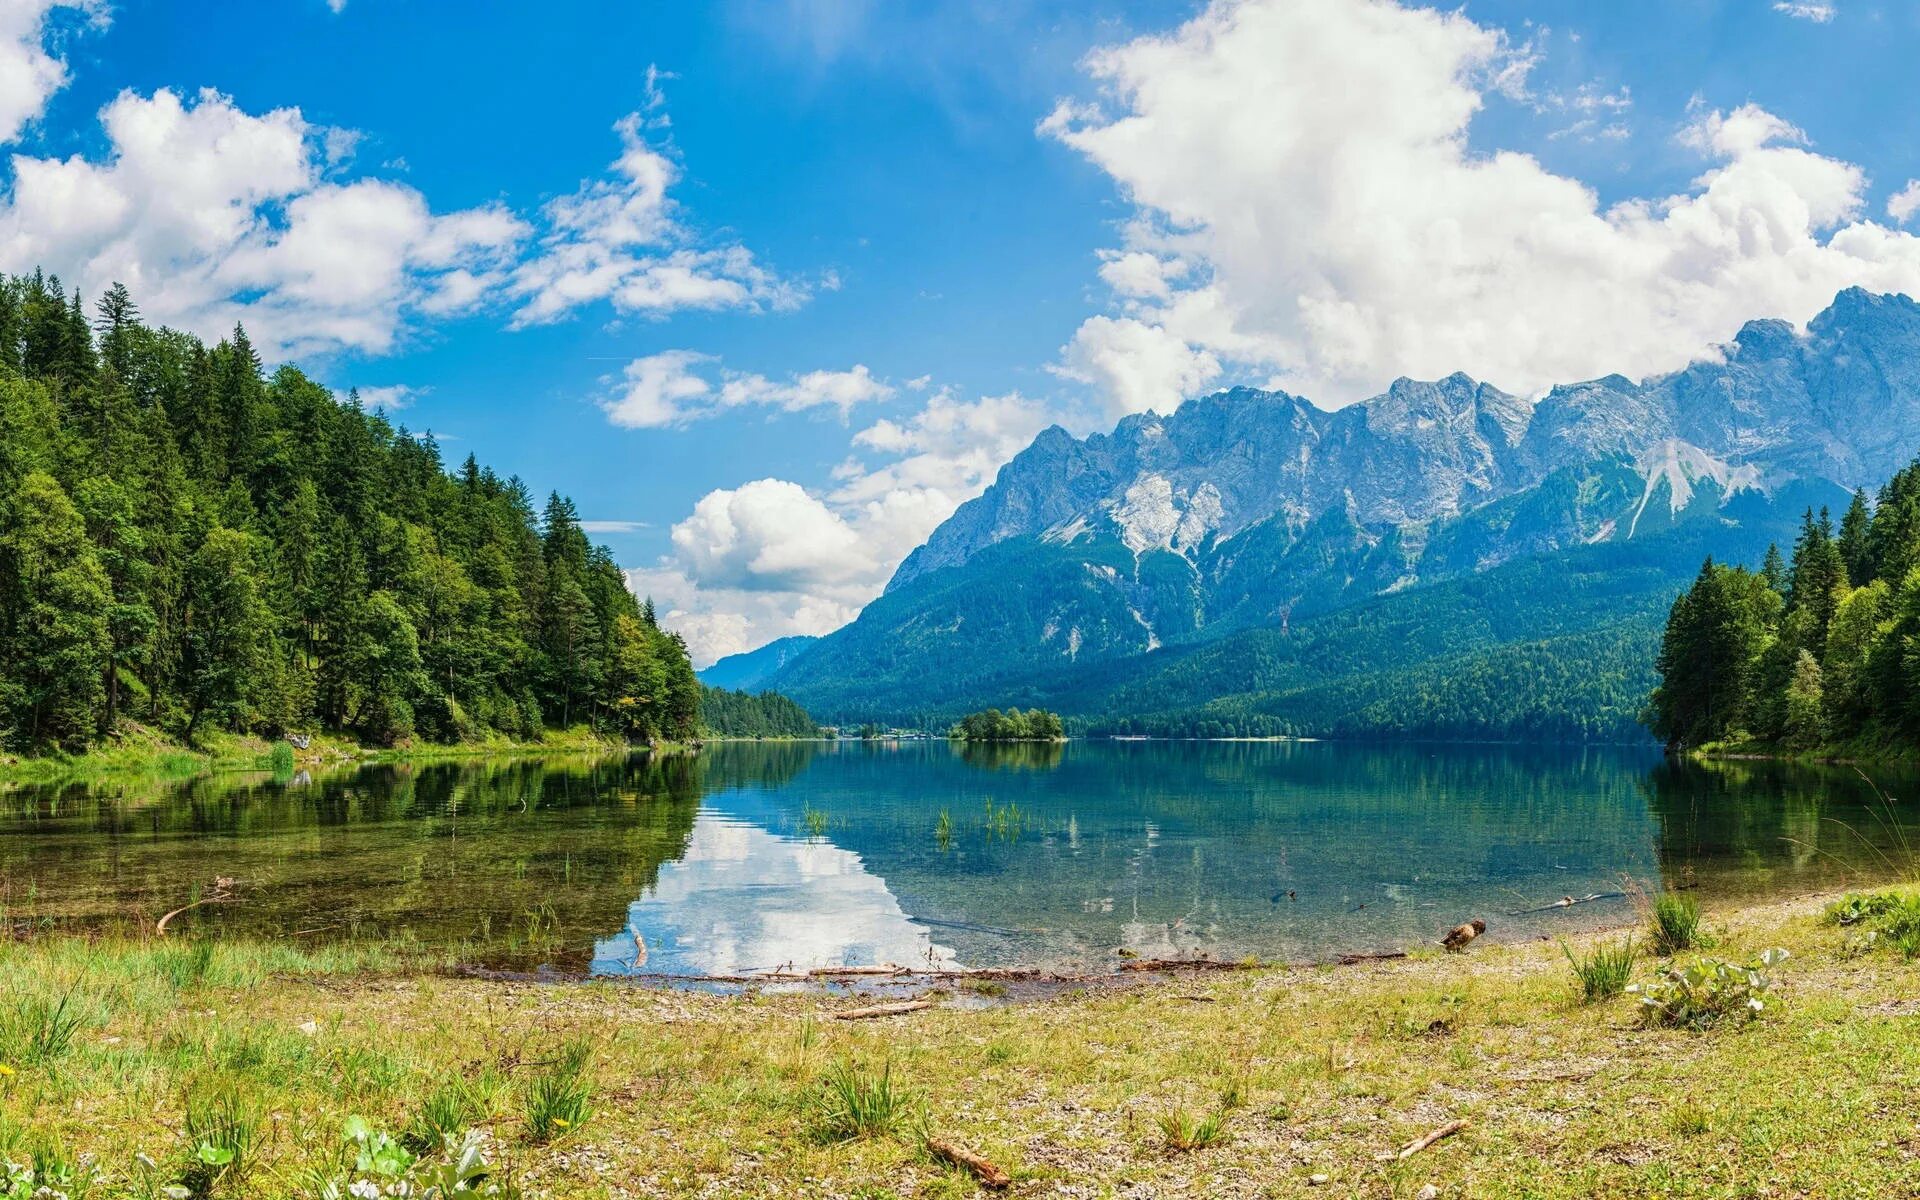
(189, 543)
(992, 725)
(725, 713)
(1818, 649)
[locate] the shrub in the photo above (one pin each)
(1604, 973)
(280, 760)
(1676, 925)
(559, 1099)
(855, 1102)
(1708, 991)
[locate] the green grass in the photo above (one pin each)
(1603, 972)
(559, 1100)
(1265, 1076)
(1675, 925)
(853, 1101)
(1183, 1133)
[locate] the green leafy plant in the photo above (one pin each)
(1603, 973)
(1676, 925)
(1708, 991)
(222, 1135)
(1881, 919)
(384, 1166)
(559, 1100)
(853, 1101)
(1183, 1133)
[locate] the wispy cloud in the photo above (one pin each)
(1807, 10)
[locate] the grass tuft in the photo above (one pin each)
(1183, 1133)
(559, 1100)
(853, 1101)
(1605, 972)
(1676, 925)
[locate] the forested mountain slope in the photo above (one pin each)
(188, 544)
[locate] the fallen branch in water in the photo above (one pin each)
(989, 1175)
(222, 893)
(1568, 902)
(1348, 960)
(883, 1010)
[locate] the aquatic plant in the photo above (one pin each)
(1602, 974)
(943, 829)
(814, 820)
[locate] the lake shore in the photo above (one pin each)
(146, 755)
(1754, 750)
(1319, 1075)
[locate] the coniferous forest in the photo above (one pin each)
(188, 544)
(1819, 649)
(741, 714)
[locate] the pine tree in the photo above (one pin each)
(55, 602)
(227, 626)
(1854, 552)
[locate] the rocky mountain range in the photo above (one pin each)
(1252, 510)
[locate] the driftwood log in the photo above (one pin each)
(883, 1010)
(986, 1172)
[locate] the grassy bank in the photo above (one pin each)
(141, 754)
(1861, 751)
(237, 1069)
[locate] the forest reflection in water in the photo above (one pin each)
(751, 856)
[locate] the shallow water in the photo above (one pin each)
(752, 857)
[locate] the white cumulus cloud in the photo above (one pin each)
(30, 70)
(771, 558)
(1904, 203)
(1308, 162)
(677, 386)
(212, 215)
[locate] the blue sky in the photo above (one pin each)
(858, 252)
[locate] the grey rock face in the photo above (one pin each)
(1840, 402)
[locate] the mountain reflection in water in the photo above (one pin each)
(751, 856)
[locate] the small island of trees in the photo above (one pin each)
(1034, 725)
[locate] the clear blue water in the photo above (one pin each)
(749, 858)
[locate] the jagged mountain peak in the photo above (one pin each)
(1839, 402)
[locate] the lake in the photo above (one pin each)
(751, 857)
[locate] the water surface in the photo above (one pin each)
(751, 857)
